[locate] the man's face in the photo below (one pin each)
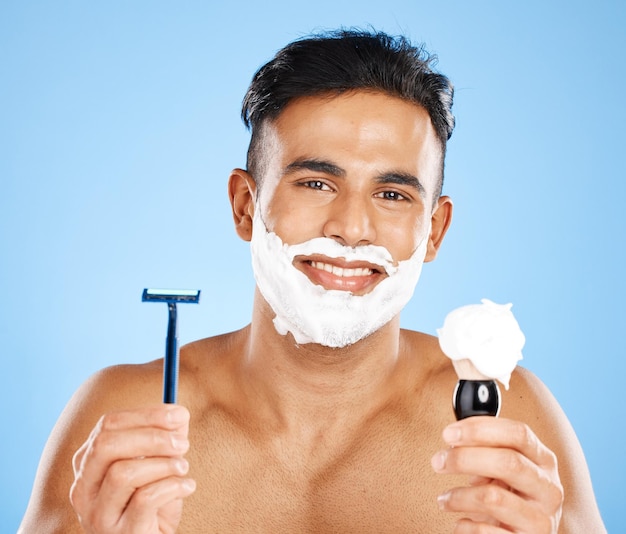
(360, 168)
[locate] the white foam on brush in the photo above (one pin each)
(485, 335)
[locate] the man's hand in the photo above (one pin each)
(514, 484)
(129, 476)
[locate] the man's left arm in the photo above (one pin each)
(527, 470)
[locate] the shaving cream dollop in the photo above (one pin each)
(486, 334)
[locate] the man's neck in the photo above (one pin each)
(309, 388)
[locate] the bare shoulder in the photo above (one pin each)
(531, 402)
(116, 388)
(130, 386)
(108, 390)
(528, 400)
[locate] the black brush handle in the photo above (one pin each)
(476, 397)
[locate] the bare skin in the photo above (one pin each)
(279, 437)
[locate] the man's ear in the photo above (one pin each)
(441, 219)
(242, 192)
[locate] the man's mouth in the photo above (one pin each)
(341, 271)
(358, 277)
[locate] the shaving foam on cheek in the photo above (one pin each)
(314, 314)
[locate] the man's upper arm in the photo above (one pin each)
(536, 406)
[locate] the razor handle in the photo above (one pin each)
(170, 363)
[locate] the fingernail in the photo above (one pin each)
(182, 466)
(442, 500)
(177, 415)
(452, 434)
(438, 461)
(189, 484)
(180, 444)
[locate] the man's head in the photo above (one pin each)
(341, 61)
(342, 196)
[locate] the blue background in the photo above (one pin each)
(119, 124)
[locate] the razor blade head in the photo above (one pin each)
(171, 295)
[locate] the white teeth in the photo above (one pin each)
(340, 271)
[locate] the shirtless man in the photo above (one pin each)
(322, 415)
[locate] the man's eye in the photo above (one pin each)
(316, 184)
(391, 195)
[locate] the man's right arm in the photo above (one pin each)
(123, 470)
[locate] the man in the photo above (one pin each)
(321, 415)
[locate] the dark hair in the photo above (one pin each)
(340, 61)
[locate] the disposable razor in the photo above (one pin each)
(170, 363)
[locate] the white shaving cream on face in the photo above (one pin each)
(314, 314)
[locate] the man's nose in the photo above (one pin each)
(351, 220)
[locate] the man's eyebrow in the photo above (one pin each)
(402, 178)
(316, 165)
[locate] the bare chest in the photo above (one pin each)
(381, 482)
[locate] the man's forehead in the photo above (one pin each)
(324, 128)
(379, 111)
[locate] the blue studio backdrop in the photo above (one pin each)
(119, 124)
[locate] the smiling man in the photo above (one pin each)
(322, 415)
(351, 191)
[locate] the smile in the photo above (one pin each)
(356, 277)
(341, 271)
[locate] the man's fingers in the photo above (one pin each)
(469, 526)
(151, 497)
(148, 501)
(165, 416)
(514, 476)
(169, 417)
(502, 433)
(107, 448)
(506, 465)
(504, 506)
(125, 451)
(505, 450)
(125, 477)
(148, 506)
